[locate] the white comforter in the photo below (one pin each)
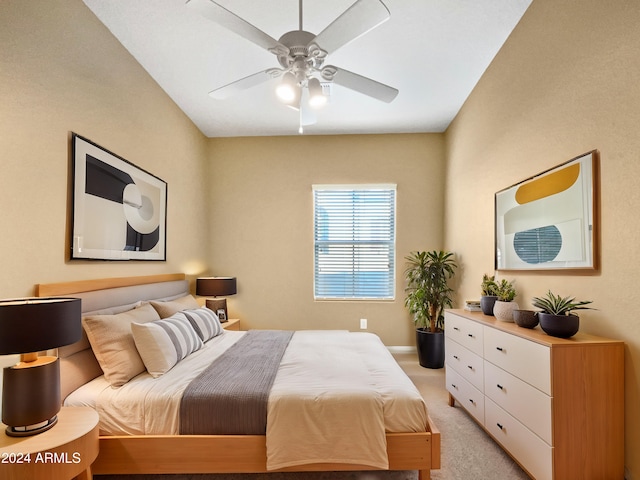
(334, 397)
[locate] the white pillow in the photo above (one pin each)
(205, 322)
(163, 343)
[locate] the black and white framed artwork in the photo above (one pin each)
(119, 210)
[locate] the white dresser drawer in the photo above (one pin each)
(465, 362)
(527, 360)
(467, 395)
(466, 332)
(528, 404)
(532, 453)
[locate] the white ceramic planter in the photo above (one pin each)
(504, 310)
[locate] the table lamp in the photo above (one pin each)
(216, 287)
(31, 388)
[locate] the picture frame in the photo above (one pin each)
(550, 221)
(119, 210)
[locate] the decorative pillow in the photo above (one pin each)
(164, 343)
(112, 343)
(166, 309)
(204, 322)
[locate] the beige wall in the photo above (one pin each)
(61, 70)
(262, 227)
(565, 82)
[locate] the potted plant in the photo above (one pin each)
(428, 294)
(504, 306)
(488, 295)
(556, 318)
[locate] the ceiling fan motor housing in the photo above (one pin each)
(298, 43)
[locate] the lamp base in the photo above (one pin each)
(31, 429)
(31, 396)
(217, 304)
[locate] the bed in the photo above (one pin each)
(140, 443)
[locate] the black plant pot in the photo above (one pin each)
(563, 326)
(487, 302)
(526, 318)
(430, 348)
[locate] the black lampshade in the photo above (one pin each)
(216, 286)
(35, 324)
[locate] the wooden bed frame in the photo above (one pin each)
(171, 454)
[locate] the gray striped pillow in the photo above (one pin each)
(205, 322)
(163, 343)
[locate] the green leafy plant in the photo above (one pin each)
(428, 291)
(557, 305)
(489, 285)
(505, 290)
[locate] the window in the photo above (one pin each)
(354, 241)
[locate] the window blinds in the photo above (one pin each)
(354, 240)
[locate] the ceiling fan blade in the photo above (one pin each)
(361, 84)
(229, 20)
(358, 19)
(232, 88)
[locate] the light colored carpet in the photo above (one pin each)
(468, 453)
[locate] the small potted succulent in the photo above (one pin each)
(504, 306)
(556, 318)
(488, 295)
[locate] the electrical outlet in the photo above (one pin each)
(363, 324)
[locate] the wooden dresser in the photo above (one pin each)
(555, 405)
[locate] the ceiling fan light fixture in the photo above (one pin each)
(288, 88)
(317, 98)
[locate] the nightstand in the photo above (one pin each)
(232, 324)
(65, 451)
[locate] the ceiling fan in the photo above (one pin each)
(302, 56)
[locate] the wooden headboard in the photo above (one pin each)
(81, 286)
(107, 296)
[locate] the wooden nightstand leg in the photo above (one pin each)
(86, 475)
(452, 401)
(424, 474)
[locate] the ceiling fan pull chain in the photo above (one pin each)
(300, 129)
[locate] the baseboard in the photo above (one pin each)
(402, 349)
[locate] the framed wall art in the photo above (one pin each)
(550, 221)
(119, 210)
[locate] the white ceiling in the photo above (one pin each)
(433, 51)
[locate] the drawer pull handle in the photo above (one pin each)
(454, 386)
(500, 387)
(470, 367)
(456, 357)
(456, 329)
(500, 349)
(470, 335)
(500, 426)
(471, 400)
